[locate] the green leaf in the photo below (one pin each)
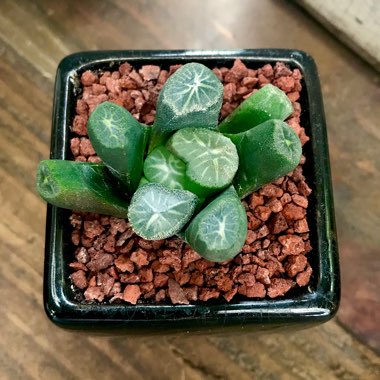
(219, 231)
(191, 97)
(165, 168)
(119, 140)
(79, 186)
(211, 159)
(267, 103)
(143, 181)
(157, 212)
(266, 153)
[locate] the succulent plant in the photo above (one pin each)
(185, 175)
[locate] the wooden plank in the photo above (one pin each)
(354, 22)
(34, 36)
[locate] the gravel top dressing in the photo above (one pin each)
(112, 264)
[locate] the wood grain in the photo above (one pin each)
(355, 22)
(34, 37)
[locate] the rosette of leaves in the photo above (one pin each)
(192, 97)
(195, 172)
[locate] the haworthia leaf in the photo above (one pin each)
(266, 153)
(80, 186)
(219, 231)
(143, 181)
(191, 97)
(157, 212)
(267, 103)
(161, 166)
(211, 159)
(119, 140)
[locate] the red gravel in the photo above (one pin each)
(176, 293)
(113, 264)
(131, 294)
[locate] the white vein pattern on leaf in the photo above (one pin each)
(166, 169)
(207, 154)
(218, 227)
(112, 128)
(199, 82)
(160, 222)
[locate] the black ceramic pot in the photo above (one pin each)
(303, 307)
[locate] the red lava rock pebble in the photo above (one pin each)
(79, 279)
(176, 293)
(255, 200)
(256, 290)
(146, 288)
(279, 287)
(109, 246)
(262, 275)
(113, 264)
(292, 244)
(293, 212)
(182, 277)
(119, 225)
(160, 295)
(248, 279)
(291, 187)
(88, 78)
(124, 264)
(196, 279)
(106, 283)
(262, 213)
(230, 294)
(304, 189)
(80, 125)
(75, 146)
(146, 275)
(140, 257)
(224, 283)
(191, 293)
(301, 226)
(100, 261)
(131, 294)
(300, 200)
(113, 272)
(303, 278)
(160, 280)
(271, 190)
(295, 265)
(77, 265)
(160, 268)
(131, 278)
(94, 293)
(150, 72)
(207, 293)
(251, 237)
(262, 232)
(92, 228)
(274, 205)
(82, 255)
(253, 222)
(116, 289)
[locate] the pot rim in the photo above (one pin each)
(316, 305)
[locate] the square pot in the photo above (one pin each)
(305, 307)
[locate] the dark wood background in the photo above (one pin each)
(34, 36)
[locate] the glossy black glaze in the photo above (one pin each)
(300, 308)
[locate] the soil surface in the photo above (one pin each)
(112, 264)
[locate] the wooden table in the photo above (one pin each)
(34, 36)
